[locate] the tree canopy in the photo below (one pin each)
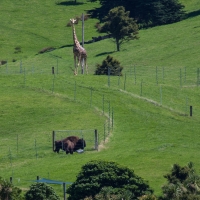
(109, 66)
(41, 191)
(146, 12)
(120, 26)
(96, 175)
(182, 183)
(9, 191)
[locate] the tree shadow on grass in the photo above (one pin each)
(105, 53)
(193, 14)
(69, 3)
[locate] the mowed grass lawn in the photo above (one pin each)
(150, 103)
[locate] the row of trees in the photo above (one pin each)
(146, 12)
(121, 19)
(103, 180)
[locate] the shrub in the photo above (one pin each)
(41, 191)
(182, 183)
(109, 65)
(8, 191)
(106, 179)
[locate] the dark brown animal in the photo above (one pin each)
(70, 144)
(69, 147)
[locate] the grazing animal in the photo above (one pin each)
(80, 53)
(69, 147)
(70, 144)
(81, 144)
(58, 145)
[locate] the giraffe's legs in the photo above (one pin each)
(75, 67)
(86, 67)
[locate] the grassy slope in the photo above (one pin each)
(154, 137)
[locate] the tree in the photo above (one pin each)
(8, 191)
(183, 183)
(41, 191)
(147, 12)
(109, 66)
(158, 12)
(119, 26)
(96, 175)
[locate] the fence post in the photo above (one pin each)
(190, 111)
(11, 179)
(125, 82)
(53, 139)
(75, 91)
(52, 70)
(160, 94)
(198, 77)
(104, 132)
(112, 118)
(17, 143)
(38, 178)
(6, 67)
(24, 77)
(163, 74)
(64, 190)
(96, 139)
(36, 154)
(91, 97)
(108, 77)
(135, 74)
(103, 104)
(20, 68)
(57, 65)
(156, 75)
(180, 78)
(185, 76)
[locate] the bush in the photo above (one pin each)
(109, 66)
(182, 183)
(107, 179)
(41, 191)
(8, 191)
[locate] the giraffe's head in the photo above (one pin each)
(73, 21)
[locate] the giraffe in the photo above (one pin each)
(80, 53)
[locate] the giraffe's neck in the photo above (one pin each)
(76, 42)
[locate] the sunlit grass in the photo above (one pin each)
(150, 103)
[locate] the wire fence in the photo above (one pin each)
(169, 87)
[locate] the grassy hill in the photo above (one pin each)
(150, 103)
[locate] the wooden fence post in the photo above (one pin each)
(53, 140)
(96, 139)
(64, 190)
(11, 179)
(191, 111)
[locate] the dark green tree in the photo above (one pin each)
(146, 12)
(120, 26)
(98, 174)
(159, 12)
(41, 191)
(182, 183)
(8, 191)
(109, 66)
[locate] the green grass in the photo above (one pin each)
(150, 102)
